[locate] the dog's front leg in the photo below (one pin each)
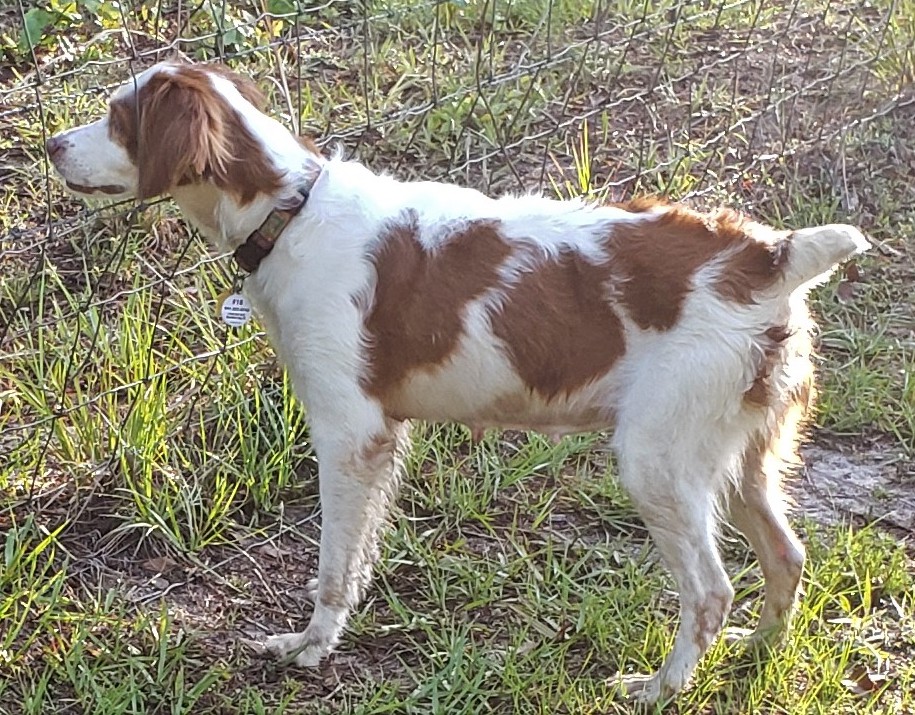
(358, 479)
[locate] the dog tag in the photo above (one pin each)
(234, 309)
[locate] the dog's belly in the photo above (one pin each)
(508, 404)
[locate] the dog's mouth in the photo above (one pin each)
(108, 189)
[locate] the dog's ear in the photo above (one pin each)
(182, 132)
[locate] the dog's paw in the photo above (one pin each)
(298, 648)
(644, 689)
(733, 635)
(757, 643)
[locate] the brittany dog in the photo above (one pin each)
(686, 335)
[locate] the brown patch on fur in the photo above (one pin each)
(332, 595)
(710, 618)
(753, 267)
(760, 392)
(178, 129)
(377, 463)
(641, 204)
(774, 449)
(122, 125)
(415, 321)
(658, 257)
(558, 325)
(374, 456)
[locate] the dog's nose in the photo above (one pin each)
(54, 146)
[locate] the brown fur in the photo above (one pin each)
(658, 259)
(641, 204)
(559, 327)
(773, 342)
(415, 320)
(187, 132)
(122, 124)
(710, 618)
(755, 266)
(558, 322)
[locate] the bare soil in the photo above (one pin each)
(843, 482)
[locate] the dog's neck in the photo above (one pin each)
(226, 223)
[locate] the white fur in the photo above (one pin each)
(675, 397)
(90, 159)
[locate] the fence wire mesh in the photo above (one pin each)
(110, 355)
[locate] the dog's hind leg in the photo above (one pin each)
(757, 509)
(676, 492)
(358, 479)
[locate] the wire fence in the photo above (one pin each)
(738, 101)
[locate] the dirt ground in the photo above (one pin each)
(844, 481)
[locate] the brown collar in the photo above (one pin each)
(258, 245)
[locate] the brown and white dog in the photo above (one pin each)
(685, 334)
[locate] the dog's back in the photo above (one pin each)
(559, 316)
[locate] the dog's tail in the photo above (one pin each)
(811, 254)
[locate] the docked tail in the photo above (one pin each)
(814, 252)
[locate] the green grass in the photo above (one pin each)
(516, 618)
(157, 490)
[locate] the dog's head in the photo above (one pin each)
(171, 125)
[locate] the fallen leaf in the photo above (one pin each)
(862, 682)
(852, 272)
